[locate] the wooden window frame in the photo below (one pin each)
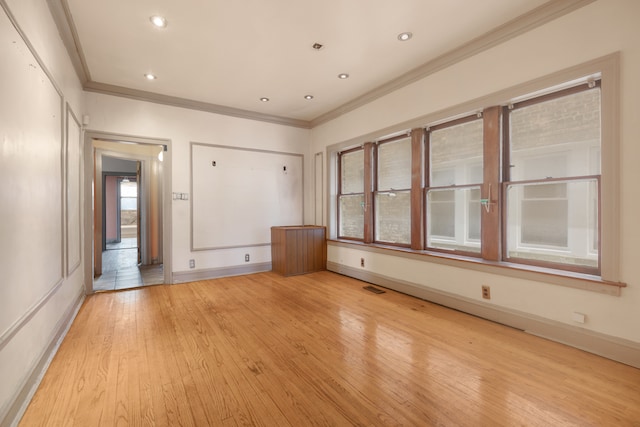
(605, 71)
(419, 158)
(496, 178)
(451, 251)
(427, 184)
(506, 181)
(340, 194)
(376, 190)
(548, 264)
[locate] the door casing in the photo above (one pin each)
(93, 191)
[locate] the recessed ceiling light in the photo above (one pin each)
(158, 21)
(308, 97)
(264, 99)
(343, 76)
(403, 37)
(150, 76)
(317, 46)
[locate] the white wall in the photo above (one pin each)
(596, 30)
(112, 164)
(182, 126)
(36, 303)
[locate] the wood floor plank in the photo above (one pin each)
(317, 350)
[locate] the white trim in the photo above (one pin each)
(215, 273)
(618, 349)
(318, 193)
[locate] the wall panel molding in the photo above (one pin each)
(25, 392)
(36, 154)
(73, 179)
(8, 334)
(237, 194)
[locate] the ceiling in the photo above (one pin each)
(223, 56)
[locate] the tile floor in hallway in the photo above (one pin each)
(121, 271)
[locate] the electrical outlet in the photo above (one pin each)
(192, 263)
(246, 257)
(361, 262)
(486, 292)
(578, 317)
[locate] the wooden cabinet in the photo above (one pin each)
(298, 249)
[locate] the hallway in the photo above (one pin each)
(120, 269)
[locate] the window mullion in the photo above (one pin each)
(368, 191)
(417, 194)
(491, 189)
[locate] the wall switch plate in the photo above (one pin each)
(192, 263)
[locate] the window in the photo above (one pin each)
(128, 208)
(392, 199)
(552, 180)
(455, 174)
(351, 195)
(519, 183)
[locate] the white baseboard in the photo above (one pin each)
(214, 273)
(22, 398)
(614, 348)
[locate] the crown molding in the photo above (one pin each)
(191, 104)
(67, 29)
(548, 12)
(519, 25)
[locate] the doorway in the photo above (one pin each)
(125, 207)
(121, 218)
(128, 205)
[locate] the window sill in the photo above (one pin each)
(556, 277)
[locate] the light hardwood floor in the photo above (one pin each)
(316, 349)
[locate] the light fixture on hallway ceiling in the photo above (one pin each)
(308, 97)
(264, 99)
(343, 76)
(158, 21)
(150, 76)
